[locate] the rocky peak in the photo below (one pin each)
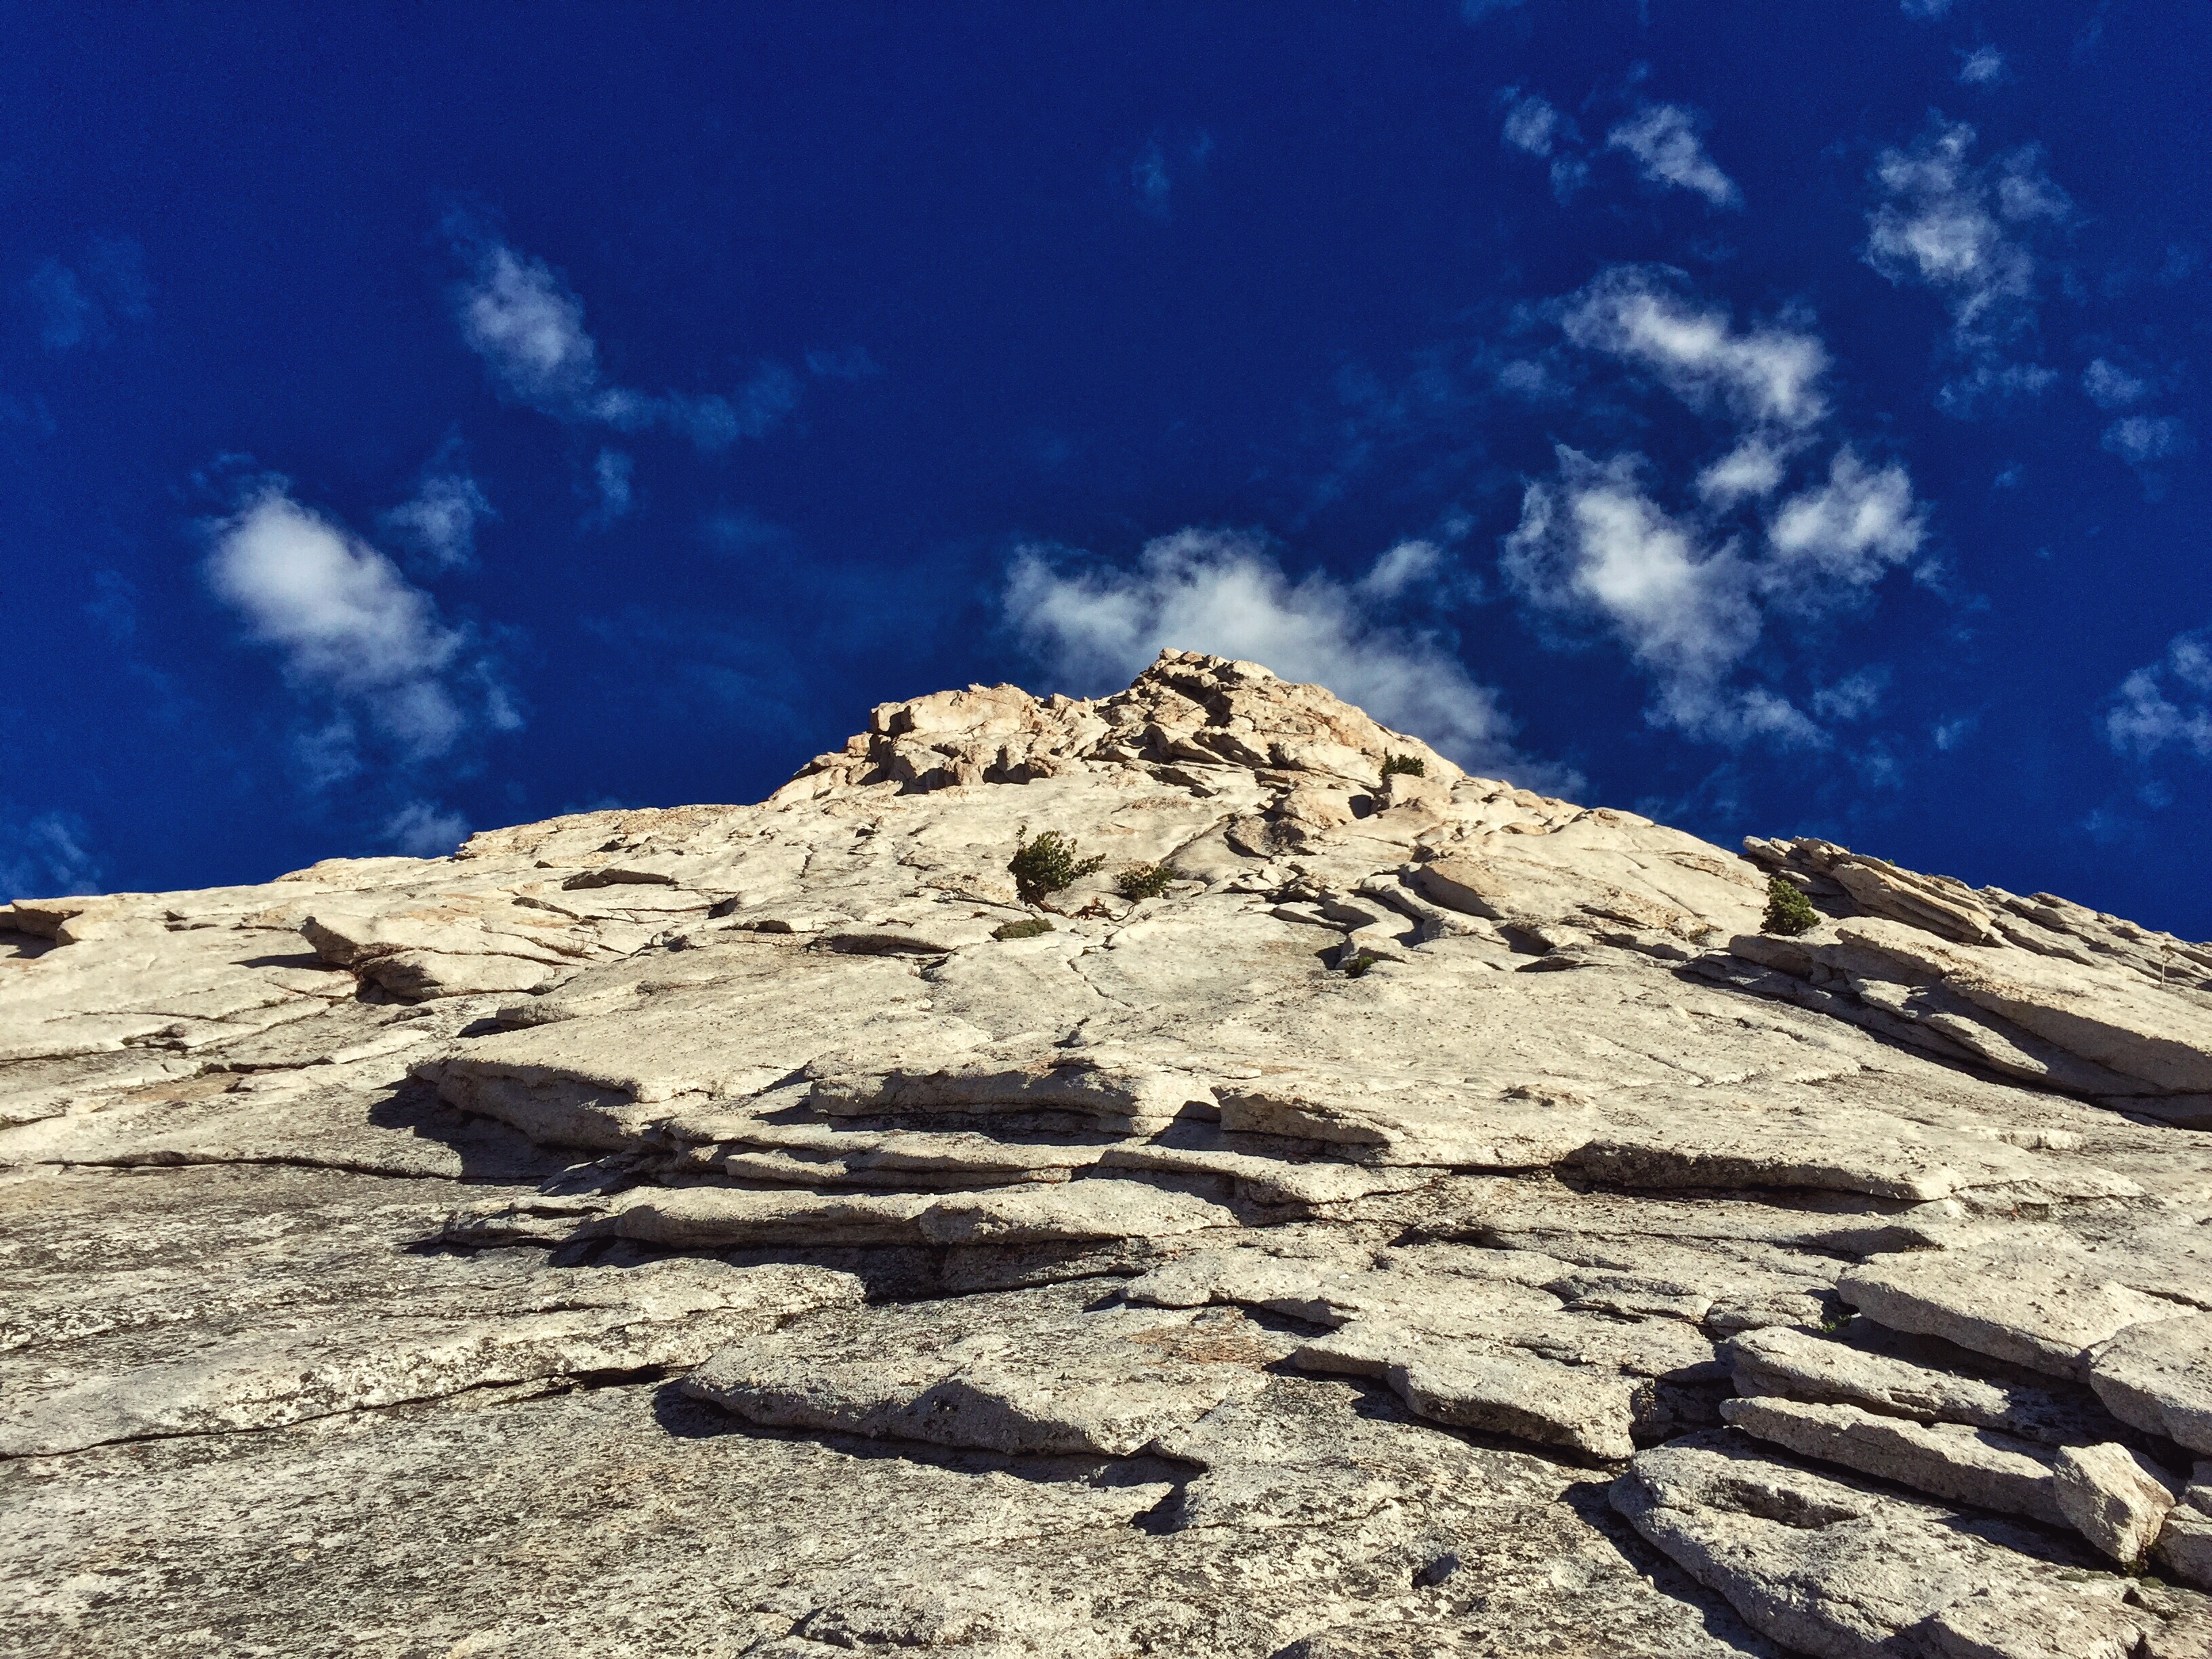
(1185, 709)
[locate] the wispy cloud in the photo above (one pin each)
(1532, 125)
(1095, 627)
(1690, 589)
(1768, 374)
(2166, 703)
(437, 526)
(424, 829)
(1593, 542)
(352, 634)
(1965, 231)
(46, 856)
(80, 304)
(614, 488)
(1162, 165)
(1841, 536)
(528, 326)
(1984, 66)
(2142, 439)
(2111, 387)
(1663, 140)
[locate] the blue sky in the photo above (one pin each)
(1781, 419)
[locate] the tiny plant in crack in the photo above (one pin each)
(1359, 963)
(1145, 881)
(1027, 928)
(1789, 911)
(1047, 865)
(1412, 765)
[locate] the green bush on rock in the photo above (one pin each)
(1027, 928)
(1047, 865)
(1788, 912)
(1412, 765)
(1145, 881)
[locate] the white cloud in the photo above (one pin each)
(1663, 139)
(528, 326)
(1533, 126)
(1963, 232)
(1982, 67)
(423, 829)
(1753, 469)
(1843, 535)
(351, 629)
(2166, 703)
(1680, 591)
(2111, 387)
(1692, 590)
(437, 525)
(45, 857)
(1594, 544)
(1767, 373)
(1925, 10)
(2142, 439)
(1209, 591)
(1408, 565)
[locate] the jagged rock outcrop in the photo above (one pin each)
(1441, 1221)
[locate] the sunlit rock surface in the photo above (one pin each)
(1441, 1222)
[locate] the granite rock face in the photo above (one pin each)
(1441, 1222)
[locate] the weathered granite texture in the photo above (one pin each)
(1442, 1222)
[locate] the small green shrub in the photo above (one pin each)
(1027, 928)
(1145, 881)
(1412, 765)
(1835, 1322)
(1047, 865)
(1788, 912)
(1359, 963)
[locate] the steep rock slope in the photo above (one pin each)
(1437, 1219)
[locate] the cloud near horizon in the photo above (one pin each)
(1095, 628)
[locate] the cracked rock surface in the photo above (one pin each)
(1441, 1222)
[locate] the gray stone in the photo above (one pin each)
(2113, 1497)
(1944, 1460)
(1836, 1569)
(2158, 1375)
